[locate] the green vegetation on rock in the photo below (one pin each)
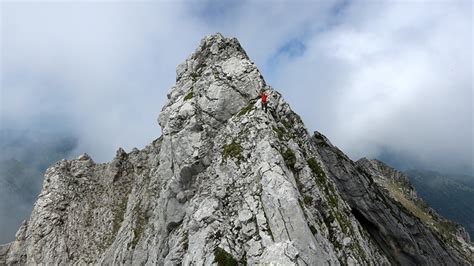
(333, 202)
(287, 123)
(185, 241)
(458, 195)
(447, 230)
(233, 150)
(307, 199)
(397, 192)
(290, 158)
(281, 132)
(189, 96)
(223, 258)
(317, 170)
(245, 110)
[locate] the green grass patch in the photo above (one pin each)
(290, 158)
(317, 171)
(223, 258)
(185, 241)
(281, 132)
(245, 110)
(333, 202)
(287, 123)
(397, 192)
(307, 199)
(233, 150)
(345, 224)
(446, 229)
(189, 96)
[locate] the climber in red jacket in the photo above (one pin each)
(263, 96)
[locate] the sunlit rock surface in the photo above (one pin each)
(226, 184)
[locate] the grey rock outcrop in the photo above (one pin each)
(399, 187)
(387, 206)
(225, 184)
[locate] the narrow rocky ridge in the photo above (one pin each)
(384, 202)
(225, 184)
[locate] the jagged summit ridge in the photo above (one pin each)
(213, 48)
(226, 183)
(221, 76)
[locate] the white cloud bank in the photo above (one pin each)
(392, 77)
(372, 77)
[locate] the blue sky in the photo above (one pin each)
(374, 76)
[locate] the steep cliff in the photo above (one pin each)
(226, 183)
(387, 206)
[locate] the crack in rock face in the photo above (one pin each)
(228, 184)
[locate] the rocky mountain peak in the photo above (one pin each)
(216, 81)
(225, 184)
(213, 48)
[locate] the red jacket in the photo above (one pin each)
(264, 97)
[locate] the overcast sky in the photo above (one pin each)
(375, 78)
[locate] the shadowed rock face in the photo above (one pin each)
(226, 183)
(386, 205)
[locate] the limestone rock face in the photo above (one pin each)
(225, 184)
(386, 205)
(398, 187)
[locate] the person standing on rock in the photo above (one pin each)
(263, 97)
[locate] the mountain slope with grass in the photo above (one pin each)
(229, 184)
(450, 195)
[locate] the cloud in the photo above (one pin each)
(24, 158)
(398, 79)
(373, 77)
(104, 67)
